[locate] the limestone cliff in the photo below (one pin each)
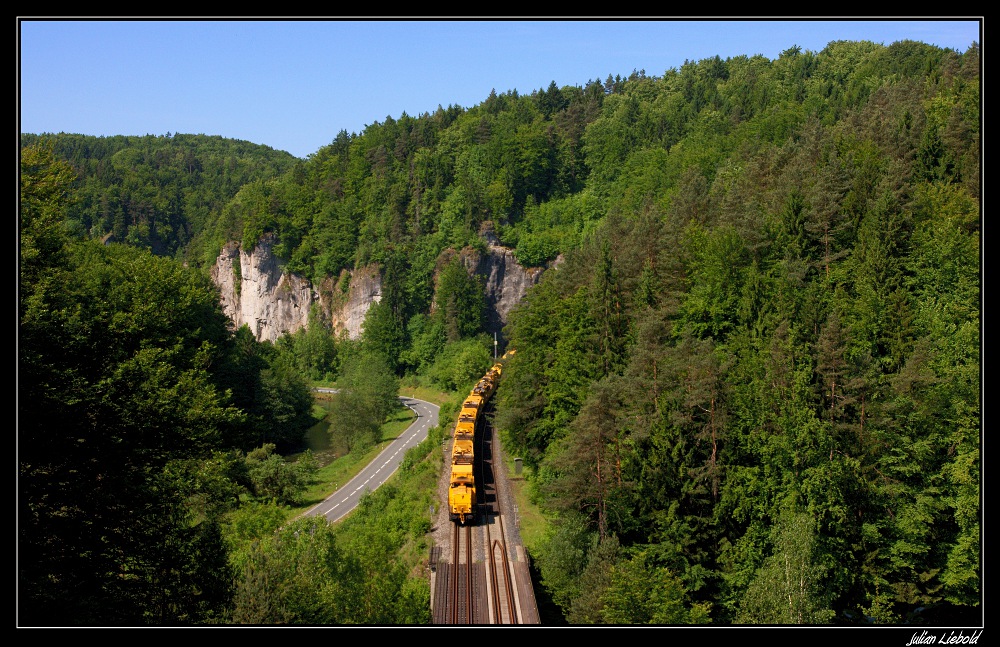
(257, 292)
(346, 302)
(505, 280)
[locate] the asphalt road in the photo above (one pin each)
(385, 464)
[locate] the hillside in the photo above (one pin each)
(753, 358)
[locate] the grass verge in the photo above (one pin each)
(412, 387)
(532, 523)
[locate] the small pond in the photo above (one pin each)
(320, 440)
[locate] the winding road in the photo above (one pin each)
(345, 499)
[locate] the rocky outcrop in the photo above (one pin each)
(346, 302)
(256, 291)
(505, 281)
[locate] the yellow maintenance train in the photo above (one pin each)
(462, 490)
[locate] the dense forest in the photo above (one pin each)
(747, 389)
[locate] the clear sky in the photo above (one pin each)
(294, 84)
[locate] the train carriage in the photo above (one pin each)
(462, 494)
(462, 486)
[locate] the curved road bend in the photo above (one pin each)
(385, 464)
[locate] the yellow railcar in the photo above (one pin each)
(466, 426)
(485, 387)
(462, 494)
(462, 486)
(472, 403)
(462, 450)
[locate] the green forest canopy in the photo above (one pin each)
(780, 257)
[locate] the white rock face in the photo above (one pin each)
(346, 312)
(505, 282)
(274, 303)
(270, 301)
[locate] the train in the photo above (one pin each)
(462, 484)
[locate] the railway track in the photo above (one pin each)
(503, 603)
(486, 581)
(462, 599)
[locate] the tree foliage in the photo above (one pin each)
(125, 415)
(761, 317)
(366, 395)
(752, 368)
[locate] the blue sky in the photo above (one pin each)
(294, 84)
